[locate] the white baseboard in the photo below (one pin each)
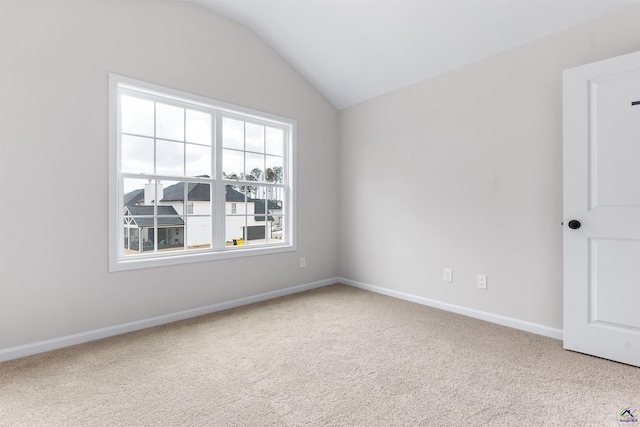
(476, 314)
(83, 337)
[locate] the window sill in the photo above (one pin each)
(161, 260)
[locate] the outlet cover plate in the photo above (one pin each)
(482, 281)
(447, 275)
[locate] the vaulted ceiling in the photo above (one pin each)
(354, 50)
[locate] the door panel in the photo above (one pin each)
(601, 161)
(615, 158)
(615, 268)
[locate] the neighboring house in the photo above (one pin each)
(274, 209)
(242, 218)
(197, 203)
(138, 231)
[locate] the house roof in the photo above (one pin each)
(259, 208)
(134, 197)
(196, 192)
(232, 195)
(163, 221)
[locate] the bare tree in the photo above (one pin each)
(274, 174)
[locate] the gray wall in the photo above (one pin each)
(465, 171)
(56, 56)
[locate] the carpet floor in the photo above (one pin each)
(334, 356)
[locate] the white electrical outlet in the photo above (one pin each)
(447, 275)
(482, 281)
(303, 262)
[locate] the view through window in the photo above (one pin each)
(196, 176)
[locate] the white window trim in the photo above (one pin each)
(117, 260)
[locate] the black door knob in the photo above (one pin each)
(574, 225)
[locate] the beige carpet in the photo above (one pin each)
(335, 356)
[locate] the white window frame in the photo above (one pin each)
(117, 259)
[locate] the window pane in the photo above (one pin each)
(256, 234)
(254, 167)
(169, 122)
(260, 206)
(132, 240)
(169, 158)
(232, 134)
(274, 169)
(134, 192)
(137, 154)
(234, 229)
(169, 222)
(273, 196)
(171, 238)
(198, 160)
(277, 230)
(171, 194)
(275, 141)
(258, 224)
(136, 115)
(199, 195)
(232, 164)
(198, 127)
(235, 196)
(198, 232)
(254, 138)
(252, 191)
(146, 234)
(277, 198)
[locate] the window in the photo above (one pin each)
(195, 179)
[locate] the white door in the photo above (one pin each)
(602, 192)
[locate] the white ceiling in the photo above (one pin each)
(354, 50)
